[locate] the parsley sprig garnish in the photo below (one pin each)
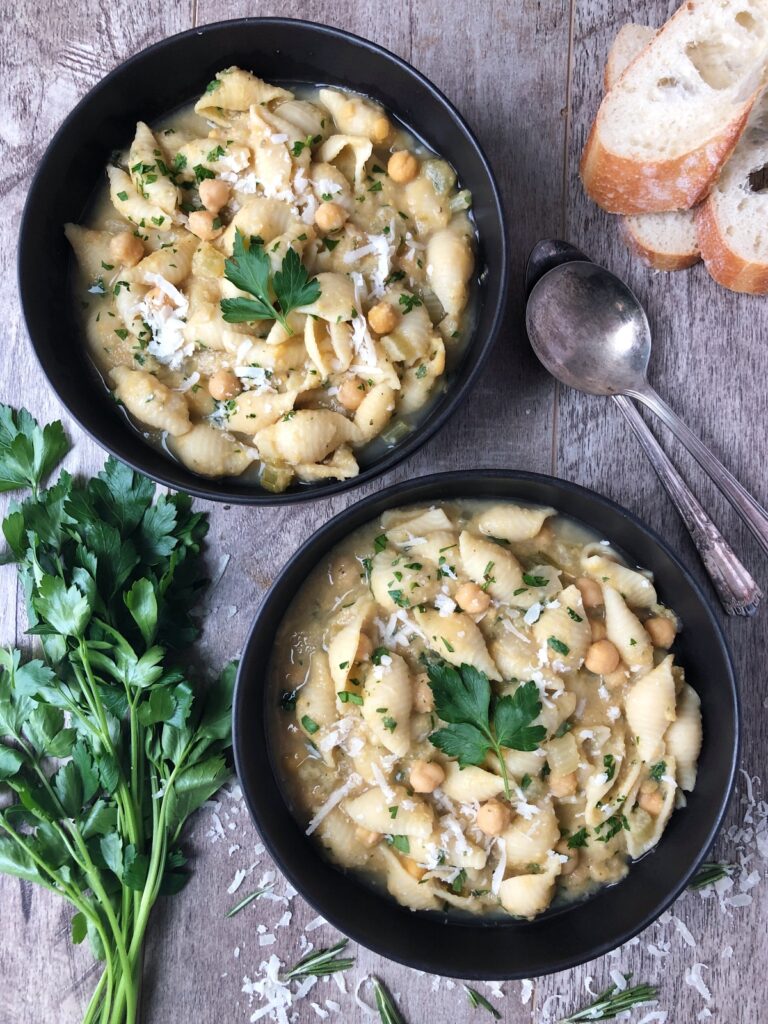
(475, 723)
(110, 576)
(611, 1002)
(274, 295)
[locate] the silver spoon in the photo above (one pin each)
(591, 333)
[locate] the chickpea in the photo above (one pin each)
(423, 699)
(351, 394)
(383, 318)
(204, 224)
(330, 216)
(562, 785)
(651, 800)
(569, 866)
(214, 194)
(599, 631)
(471, 598)
(364, 648)
(661, 631)
(366, 837)
(380, 129)
(413, 869)
(402, 167)
(602, 658)
(223, 385)
(493, 817)
(126, 248)
(425, 776)
(591, 592)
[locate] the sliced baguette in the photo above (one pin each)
(732, 223)
(666, 128)
(665, 241)
(630, 40)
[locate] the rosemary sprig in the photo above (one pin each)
(385, 1004)
(246, 900)
(476, 999)
(709, 873)
(321, 962)
(611, 1002)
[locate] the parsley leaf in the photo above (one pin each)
(28, 452)
(274, 295)
(513, 715)
(463, 700)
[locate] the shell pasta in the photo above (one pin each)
(275, 279)
(478, 723)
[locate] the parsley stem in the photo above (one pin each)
(502, 764)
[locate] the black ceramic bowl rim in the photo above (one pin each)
(498, 949)
(126, 445)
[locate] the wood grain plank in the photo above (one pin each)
(708, 360)
(51, 54)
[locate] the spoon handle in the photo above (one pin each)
(753, 513)
(738, 592)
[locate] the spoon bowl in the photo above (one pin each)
(589, 329)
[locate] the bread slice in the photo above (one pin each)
(629, 42)
(665, 241)
(732, 224)
(671, 121)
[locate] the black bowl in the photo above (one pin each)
(566, 935)
(151, 85)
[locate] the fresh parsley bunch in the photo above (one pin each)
(105, 744)
(478, 724)
(274, 295)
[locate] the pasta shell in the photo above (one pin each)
(375, 411)
(513, 522)
(527, 895)
(458, 640)
(147, 177)
(635, 587)
(418, 895)
(449, 269)
(564, 632)
(351, 152)
(128, 202)
(650, 709)
(371, 810)
(387, 704)
(683, 738)
(527, 841)
(151, 402)
(355, 116)
(212, 452)
(237, 90)
(316, 698)
(464, 785)
(308, 436)
(626, 632)
(484, 561)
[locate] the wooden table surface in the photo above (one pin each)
(527, 76)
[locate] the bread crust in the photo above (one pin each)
(725, 266)
(625, 185)
(653, 257)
